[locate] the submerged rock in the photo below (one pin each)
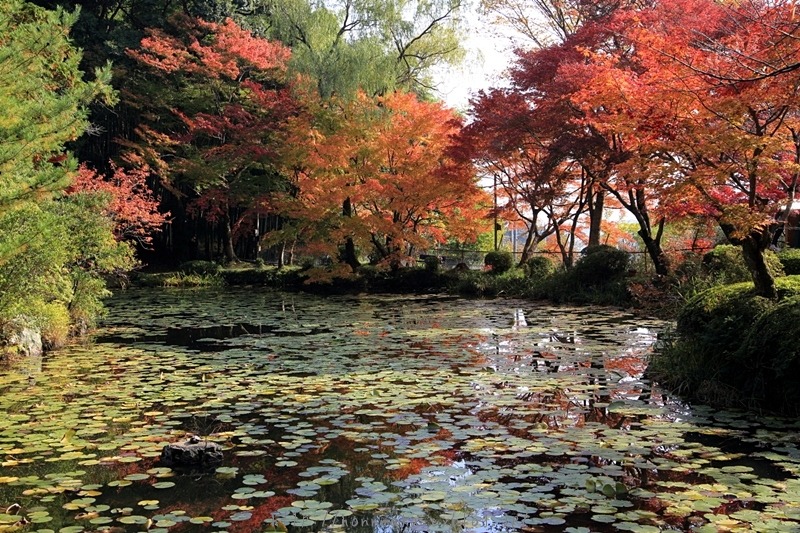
(193, 452)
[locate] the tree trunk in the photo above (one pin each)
(654, 250)
(281, 252)
(636, 204)
(762, 278)
(349, 255)
(753, 247)
(227, 241)
(531, 242)
(596, 201)
(566, 255)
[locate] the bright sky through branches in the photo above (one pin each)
(488, 55)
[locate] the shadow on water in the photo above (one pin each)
(203, 338)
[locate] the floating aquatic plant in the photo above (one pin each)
(409, 413)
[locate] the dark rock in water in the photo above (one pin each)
(193, 452)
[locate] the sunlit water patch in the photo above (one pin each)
(378, 413)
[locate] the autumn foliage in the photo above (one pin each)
(378, 173)
(131, 204)
(214, 131)
(672, 109)
(665, 111)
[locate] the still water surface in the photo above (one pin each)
(378, 413)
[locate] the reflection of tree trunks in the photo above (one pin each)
(349, 255)
(596, 199)
(753, 247)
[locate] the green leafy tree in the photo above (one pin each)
(43, 98)
(53, 249)
(370, 45)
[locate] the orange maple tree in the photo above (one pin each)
(533, 183)
(375, 177)
(719, 119)
(676, 108)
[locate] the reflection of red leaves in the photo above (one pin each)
(630, 364)
(730, 507)
(448, 455)
(654, 505)
(260, 513)
(443, 434)
(416, 465)
(410, 469)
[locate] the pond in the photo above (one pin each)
(381, 414)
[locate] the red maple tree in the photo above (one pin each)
(132, 205)
(215, 119)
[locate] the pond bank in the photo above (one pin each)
(589, 282)
(733, 348)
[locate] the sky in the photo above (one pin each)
(487, 58)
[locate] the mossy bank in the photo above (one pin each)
(734, 348)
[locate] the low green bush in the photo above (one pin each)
(467, 282)
(432, 263)
(254, 276)
(722, 312)
(512, 283)
(770, 357)
(402, 280)
(199, 267)
(539, 266)
(787, 287)
(499, 262)
(179, 279)
(790, 259)
(725, 263)
(601, 265)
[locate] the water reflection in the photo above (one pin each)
(379, 414)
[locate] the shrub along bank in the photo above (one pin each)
(600, 276)
(733, 348)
